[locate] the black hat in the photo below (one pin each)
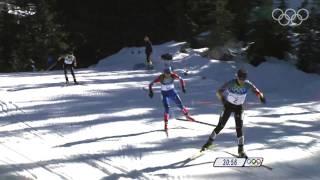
(242, 74)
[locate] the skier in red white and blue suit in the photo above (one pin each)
(168, 92)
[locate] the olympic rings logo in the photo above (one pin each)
(254, 162)
(290, 16)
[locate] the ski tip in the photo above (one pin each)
(202, 150)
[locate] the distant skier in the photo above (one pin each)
(69, 62)
(168, 92)
(233, 95)
(148, 50)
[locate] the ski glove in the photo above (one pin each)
(263, 99)
(150, 94)
(184, 90)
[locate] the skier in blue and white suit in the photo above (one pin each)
(233, 95)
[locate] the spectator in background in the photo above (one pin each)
(50, 60)
(148, 50)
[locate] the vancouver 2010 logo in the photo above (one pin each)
(290, 17)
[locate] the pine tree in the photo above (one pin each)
(47, 36)
(8, 37)
(309, 42)
(269, 37)
(201, 13)
(28, 36)
(241, 10)
(221, 28)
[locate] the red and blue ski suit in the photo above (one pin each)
(168, 92)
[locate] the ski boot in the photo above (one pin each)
(166, 125)
(189, 118)
(149, 65)
(166, 119)
(241, 152)
(207, 145)
(186, 114)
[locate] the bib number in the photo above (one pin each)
(236, 99)
(68, 60)
(167, 87)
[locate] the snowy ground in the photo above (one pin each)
(108, 128)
